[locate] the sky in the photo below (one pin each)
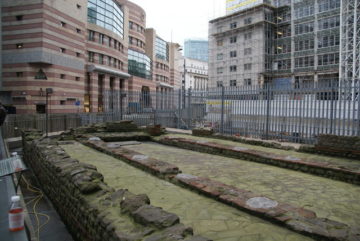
(183, 19)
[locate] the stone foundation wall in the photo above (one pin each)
(347, 146)
(91, 210)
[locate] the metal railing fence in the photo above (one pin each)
(283, 113)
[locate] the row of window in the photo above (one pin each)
(161, 78)
(247, 21)
(308, 61)
(233, 53)
(43, 76)
(233, 68)
(137, 42)
(162, 66)
(105, 40)
(104, 59)
(233, 39)
(137, 27)
(233, 82)
(323, 6)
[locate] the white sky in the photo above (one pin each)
(181, 19)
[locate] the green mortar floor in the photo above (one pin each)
(328, 198)
(337, 161)
(208, 217)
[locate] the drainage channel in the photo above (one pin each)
(328, 198)
(209, 218)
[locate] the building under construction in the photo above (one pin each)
(281, 42)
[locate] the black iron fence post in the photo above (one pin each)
(222, 109)
(189, 108)
(179, 109)
(267, 123)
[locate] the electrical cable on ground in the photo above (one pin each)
(36, 200)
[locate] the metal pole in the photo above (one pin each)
(267, 111)
(222, 109)
(121, 104)
(179, 109)
(47, 114)
(332, 97)
(189, 108)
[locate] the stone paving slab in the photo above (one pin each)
(328, 198)
(303, 221)
(338, 170)
(208, 217)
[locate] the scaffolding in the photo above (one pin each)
(350, 41)
(282, 52)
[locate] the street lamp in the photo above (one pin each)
(48, 92)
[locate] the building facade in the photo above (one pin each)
(196, 73)
(196, 49)
(68, 57)
(283, 43)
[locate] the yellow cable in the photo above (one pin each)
(37, 200)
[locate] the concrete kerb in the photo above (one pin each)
(297, 219)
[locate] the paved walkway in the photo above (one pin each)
(209, 218)
(328, 198)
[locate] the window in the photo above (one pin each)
(233, 25)
(219, 83)
(247, 82)
(248, 35)
(304, 11)
(328, 59)
(233, 68)
(78, 30)
(247, 66)
(106, 14)
(326, 5)
(233, 82)
(40, 109)
(304, 28)
(19, 74)
(19, 17)
(233, 39)
(91, 56)
(302, 62)
(283, 64)
(305, 44)
(110, 42)
(327, 23)
(62, 24)
(78, 54)
(233, 54)
(62, 50)
(247, 20)
(77, 78)
(62, 102)
(19, 46)
(220, 70)
(283, 32)
(62, 76)
(101, 59)
(78, 6)
(91, 36)
(109, 61)
(101, 38)
(329, 41)
(161, 49)
(219, 42)
(139, 64)
(283, 48)
(247, 51)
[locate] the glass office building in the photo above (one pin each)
(196, 49)
(139, 64)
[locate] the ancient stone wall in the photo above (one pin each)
(348, 146)
(91, 210)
